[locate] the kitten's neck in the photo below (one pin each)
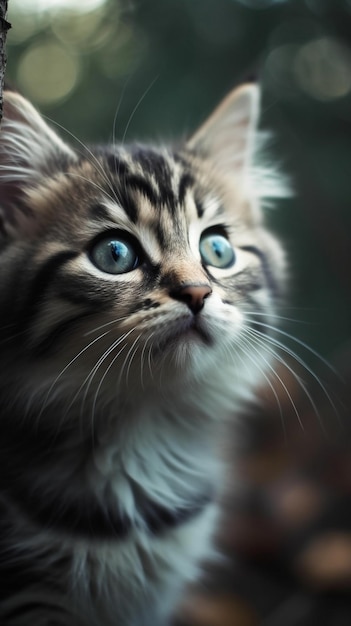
(147, 471)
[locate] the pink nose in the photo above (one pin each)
(193, 296)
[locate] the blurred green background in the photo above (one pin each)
(157, 67)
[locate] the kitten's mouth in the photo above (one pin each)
(186, 330)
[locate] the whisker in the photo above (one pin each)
(149, 360)
(114, 321)
(89, 379)
(276, 375)
(242, 342)
(277, 317)
(91, 343)
(76, 395)
(132, 357)
(96, 395)
(126, 359)
(142, 361)
(137, 106)
(94, 160)
(114, 143)
(302, 344)
(105, 374)
(92, 183)
(295, 375)
(304, 365)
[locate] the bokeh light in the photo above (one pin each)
(39, 6)
(53, 41)
(47, 72)
(85, 31)
(322, 69)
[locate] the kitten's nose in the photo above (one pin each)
(193, 296)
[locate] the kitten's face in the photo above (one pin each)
(132, 264)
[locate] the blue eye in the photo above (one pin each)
(114, 255)
(216, 250)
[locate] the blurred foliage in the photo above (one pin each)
(155, 68)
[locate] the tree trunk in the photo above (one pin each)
(4, 27)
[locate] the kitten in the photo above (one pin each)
(132, 281)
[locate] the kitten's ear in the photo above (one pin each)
(227, 137)
(29, 152)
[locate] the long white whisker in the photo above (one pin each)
(117, 112)
(276, 375)
(73, 360)
(276, 316)
(142, 361)
(149, 360)
(303, 344)
(92, 183)
(94, 162)
(114, 321)
(137, 106)
(76, 395)
(243, 344)
(278, 344)
(263, 342)
(132, 357)
(126, 360)
(105, 374)
(89, 379)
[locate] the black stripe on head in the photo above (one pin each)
(124, 198)
(160, 234)
(100, 213)
(186, 181)
(143, 186)
(199, 207)
(116, 165)
(128, 182)
(119, 184)
(154, 164)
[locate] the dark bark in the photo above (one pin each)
(4, 27)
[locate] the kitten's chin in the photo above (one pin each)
(183, 349)
(186, 333)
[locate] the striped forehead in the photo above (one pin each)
(162, 176)
(147, 187)
(154, 194)
(153, 173)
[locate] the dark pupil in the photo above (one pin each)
(217, 248)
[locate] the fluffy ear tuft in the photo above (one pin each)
(230, 140)
(227, 137)
(29, 152)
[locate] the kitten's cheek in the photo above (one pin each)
(213, 302)
(220, 306)
(224, 317)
